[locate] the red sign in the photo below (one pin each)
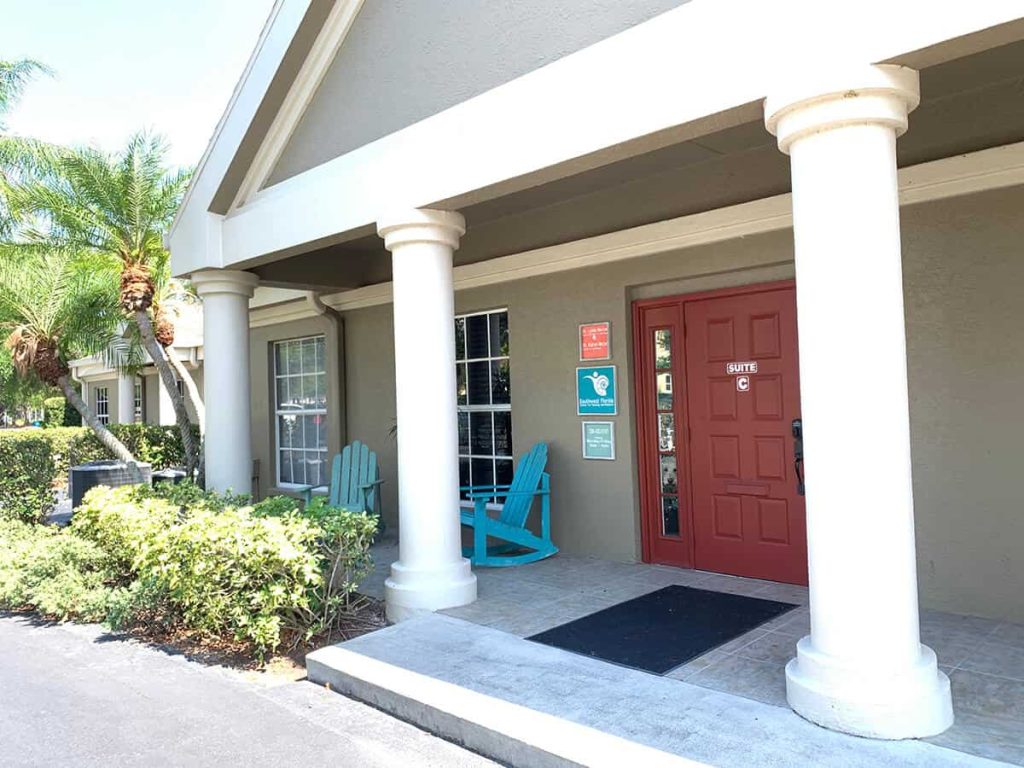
(596, 341)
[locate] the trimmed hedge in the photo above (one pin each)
(33, 462)
(54, 409)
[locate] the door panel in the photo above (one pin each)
(747, 517)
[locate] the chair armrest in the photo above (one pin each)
(305, 491)
(372, 484)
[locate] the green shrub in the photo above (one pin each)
(260, 574)
(55, 572)
(123, 522)
(54, 410)
(26, 479)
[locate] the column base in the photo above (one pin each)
(411, 591)
(873, 702)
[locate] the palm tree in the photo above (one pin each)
(55, 306)
(118, 206)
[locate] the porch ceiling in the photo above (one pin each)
(968, 104)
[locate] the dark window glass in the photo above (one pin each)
(670, 515)
(502, 433)
(500, 386)
(480, 435)
(499, 334)
(483, 471)
(479, 383)
(463, 432)
(503, 472)
(476, 336)
(460, 338)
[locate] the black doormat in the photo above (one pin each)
(661, 630)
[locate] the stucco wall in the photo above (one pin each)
(420, 57)
(963, 275)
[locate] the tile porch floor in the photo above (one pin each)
(984, 658)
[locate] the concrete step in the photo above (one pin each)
(527, 704)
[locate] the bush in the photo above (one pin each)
(57, 573)
(262, 574)
(54, 412)
(26, 481)
(35, 461)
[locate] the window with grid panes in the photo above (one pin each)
(137, 403)
(300, 407)
(484, 399)
(103, 405)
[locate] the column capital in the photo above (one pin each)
(811, 101)
(211, 281)
(421, 225)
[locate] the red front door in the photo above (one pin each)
(716, 449)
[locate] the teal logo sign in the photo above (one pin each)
(595, 391)
(599, 440)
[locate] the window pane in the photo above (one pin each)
(670, 515)
(286, 430)
(282, 392)
(669, 475)
(665, 391)
(460, 383)
(479, 383)
(500, 386)
(666, 432)
(476, 336)
(502, 433)
(663, 348)
(460, 338)
(321, 440)
(498, 322)
(280, 358)
(464, 433)
(480, 434)
(503, 472)
(483, 471)
(294, 358)
(286, 467)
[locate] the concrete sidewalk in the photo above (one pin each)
(71, 695)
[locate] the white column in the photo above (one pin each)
(125, 398)
(862, 669)
(226, 385)
(165, 415)
(431, 572)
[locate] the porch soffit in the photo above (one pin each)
(987, 169)
(588, 109)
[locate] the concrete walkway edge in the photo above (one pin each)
(506, 732)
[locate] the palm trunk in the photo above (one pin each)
(105, 436)
(190, 386)
(197, 402)
(163, 367)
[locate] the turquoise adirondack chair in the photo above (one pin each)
(355, 480)
(530, 481)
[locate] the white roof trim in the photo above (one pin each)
(319, 60)
(191, 227)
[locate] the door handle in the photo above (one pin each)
(798, 454)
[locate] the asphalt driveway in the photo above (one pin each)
(72, 695)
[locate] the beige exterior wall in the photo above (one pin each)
(111, 386)
(963, 274)
(151, 395)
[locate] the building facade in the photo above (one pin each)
(754, 282)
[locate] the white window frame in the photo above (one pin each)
(101, 400)
(300, 412)
(487, 408)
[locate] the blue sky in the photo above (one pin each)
(122, 65)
